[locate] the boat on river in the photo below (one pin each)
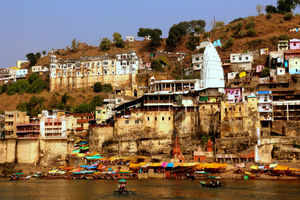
(122, 188)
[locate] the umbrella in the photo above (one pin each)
(122, 181)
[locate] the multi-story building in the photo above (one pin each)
(12, 118)
(106, 112)
(29, 129)
(118, 70)
(295, 44)
(234, 95)
(82, 120)
(5, 75)
(197, 61)
(292, 61)
(53, 125)
(241, 61)
(42, 69)
(283, 45)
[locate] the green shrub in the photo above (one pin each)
(250, 25)
(283, 37)
(288, 16)
(254, 44)
(97, 87)
(228, 44)
(251, 33)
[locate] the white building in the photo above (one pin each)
(197, 61)
(52, 125)
(39, 69)
(127, 63)
(212, 74)
(21, 73)
(241, 61)
(130, 38)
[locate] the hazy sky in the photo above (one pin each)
(36, 25)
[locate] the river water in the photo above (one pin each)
(148, 189)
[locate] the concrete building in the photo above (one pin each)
(283, 45)
(294, 65)
(21, 73)
(234, 95)
(197, 62)
(119, 71)
(29, 129)
(35, 69)
(241, 61)
(12, 118)
(294, 44)
(130, 38)
(52, 125)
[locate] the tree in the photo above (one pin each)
(44, 52)
(105, 44)
(192, 43)
(286, 6)
(156, 66)
(107, 88)
(97, 87)
(259, 9)
(96, 101)
(155, 35)
(119, 42)
(31, 58)
(33, 107)
(178, 31)
(65, 98)
(74, 45)
(271, 9)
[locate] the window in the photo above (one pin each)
(169, 118)
(246, 58)
(127, 121)
(148, 118)
(155, 118)
(136, 121)
(163, 118)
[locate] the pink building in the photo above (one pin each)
(234, 95)
(295, 44)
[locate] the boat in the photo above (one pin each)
(215, 183)
(122, 189)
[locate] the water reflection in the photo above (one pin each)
(147, 189)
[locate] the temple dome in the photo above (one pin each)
(213, 74)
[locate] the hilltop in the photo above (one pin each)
(240, 35)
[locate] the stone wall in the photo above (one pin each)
(116, 81)
(28, 151)
(7, 151)
(53, 150)
(149, 132)
(34, 151)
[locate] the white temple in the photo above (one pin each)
(212, 75)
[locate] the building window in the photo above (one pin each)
(136, 121)
(169, 118)
(127, 121)
(155, 118)
(148, 118)
(163, 118)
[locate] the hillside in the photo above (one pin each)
(247, 34)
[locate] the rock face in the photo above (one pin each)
(152, 132)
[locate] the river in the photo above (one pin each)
(148, 189)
